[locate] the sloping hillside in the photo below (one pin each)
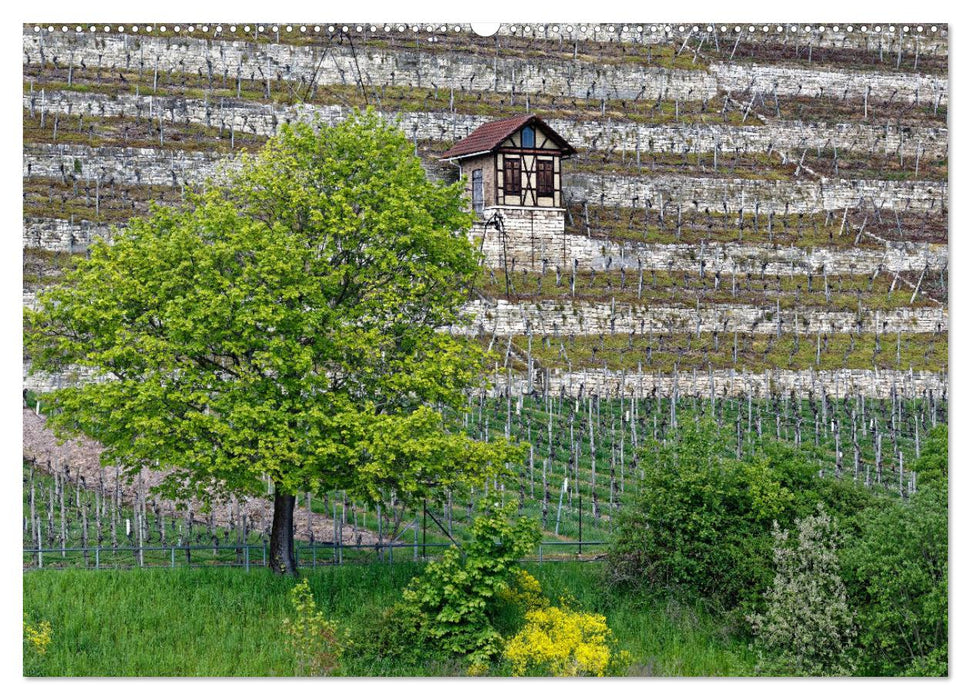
(756, 209)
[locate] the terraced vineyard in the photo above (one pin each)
(756, 219)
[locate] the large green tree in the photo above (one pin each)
(281, 325)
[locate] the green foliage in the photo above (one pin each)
(562, 642)
(452, 606)
(896, 574)
(702, 521)
(931, 466)
(807, 628)
(314, 641)
(281, 326)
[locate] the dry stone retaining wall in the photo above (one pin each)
(538, 241)
(731, 194)
(835, 383)
(555, 317)
(149, 166)
(561, 250)
(43, 382)
(339, 64)
(929, 42)
(265, 119)
(843, 84)
(547, 249)
(931, 39)
(142, 166)
(62, 235)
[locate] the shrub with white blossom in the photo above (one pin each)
(807, 628)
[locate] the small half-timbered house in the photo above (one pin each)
(513, 171)
(515, 162)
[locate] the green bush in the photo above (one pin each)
(453, 605)
(702, 521)
(931, 466)
(896, 574)
(314, 641)
(807, 628)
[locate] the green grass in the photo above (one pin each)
(135, 132)
(692, 226)
(756, 353)
(855, 165)
(728, 164)
(806, 52)
(211, 620)
(846, 165)
(649, 287)
(46, 267)
(219, 622)
(80, 199)
(833, 109)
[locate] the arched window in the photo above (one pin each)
(529, 137)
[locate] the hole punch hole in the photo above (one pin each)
(485, 28)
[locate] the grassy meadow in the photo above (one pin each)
(226, 622)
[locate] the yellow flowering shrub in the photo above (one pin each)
(559, 642)
(37, 637)
(479, 667)
(524, 592)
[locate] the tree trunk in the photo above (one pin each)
(281, 536)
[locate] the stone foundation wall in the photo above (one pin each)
(527, 233)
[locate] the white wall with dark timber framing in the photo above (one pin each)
(512, 155)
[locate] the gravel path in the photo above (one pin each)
(80, 458)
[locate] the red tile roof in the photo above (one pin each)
(488, 136)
